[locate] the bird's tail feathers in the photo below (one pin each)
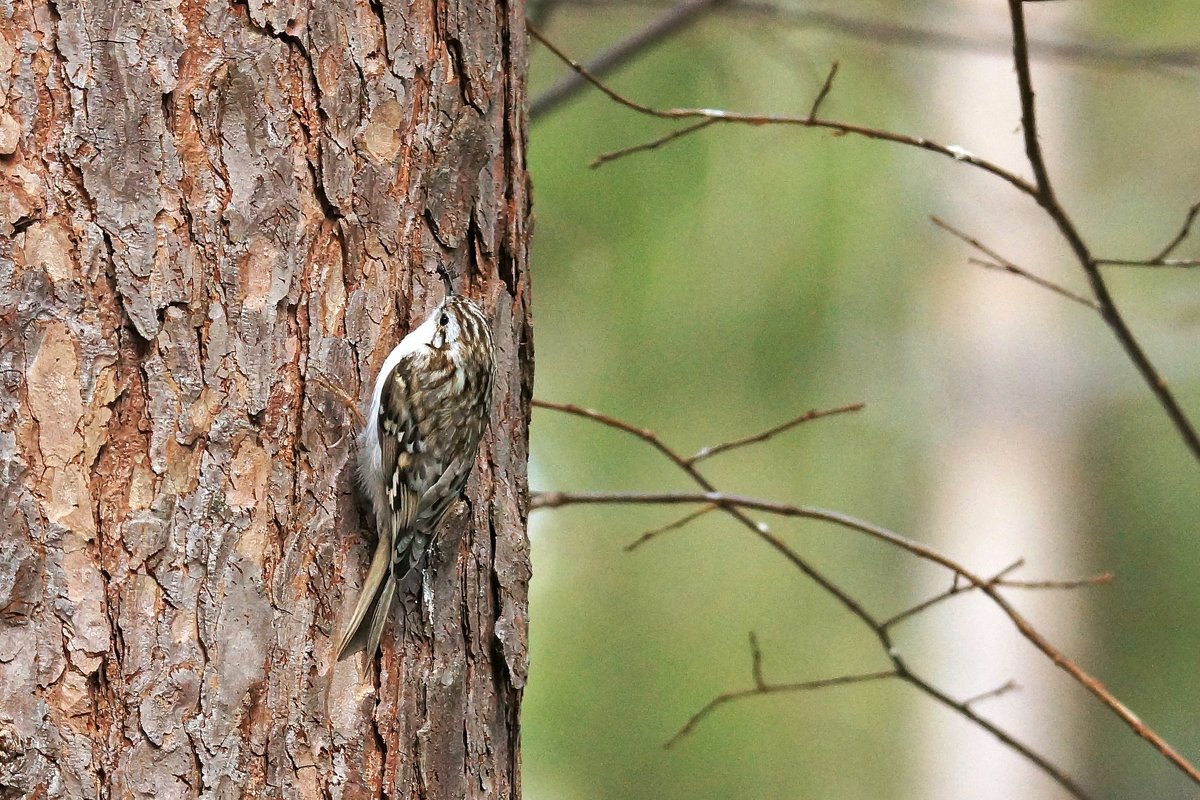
(365, 628)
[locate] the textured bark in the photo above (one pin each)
(210, 213)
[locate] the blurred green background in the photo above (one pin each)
(741, 276)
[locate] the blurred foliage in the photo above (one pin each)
(741, 276)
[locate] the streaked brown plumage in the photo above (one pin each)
(429, 409)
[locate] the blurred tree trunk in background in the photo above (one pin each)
(210, 213)
(1000, 491)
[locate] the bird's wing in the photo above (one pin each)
(399, 442)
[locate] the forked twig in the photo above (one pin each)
(1002, 264)
(1046, 198)
(1188, 221)
(1040, 189)
(736, 506)
(957, 587)
(774, 688)
(679, 133)
(659, 29)
(738, 118)
(1162, 258)
(921, 551)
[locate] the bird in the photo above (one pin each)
(429, 409)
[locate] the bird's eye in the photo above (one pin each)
(445, 320)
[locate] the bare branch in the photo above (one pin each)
(1033, 148)
(670, 526)
(1179, 237)
(756, 662)
(733, 117)
(825, 89)
(1040, 190)
(1003, 689)
(660, 28)
(1162, 258)
(807, 686)
(558, 499)
(1023, 626)
(653, 144)
(1049, 202)
(1002, 264)
(1096, 580)
(957, 587)
(1090, 53)
(808, 416)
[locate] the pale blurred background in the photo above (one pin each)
(743, 275)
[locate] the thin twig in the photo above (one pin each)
(645, 434)
(1002, 264)
(660, 28)
(653, 144)
(1002, 575)
(1179, 237)
(1046, 198)
(1162, 258)
(1013, 269)
(1060, 777)
(670, 526)
(1040, 190)
(825, 89)
(851, 604)
(808, 416)
(777, 688)
(957, 587)
(1096, 580)
(560, 499)
(1132, 262)
(756, 670)
(733, 117)
(1003, 689)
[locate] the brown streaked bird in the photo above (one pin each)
(431, 404)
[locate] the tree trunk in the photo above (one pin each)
(215, 221)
